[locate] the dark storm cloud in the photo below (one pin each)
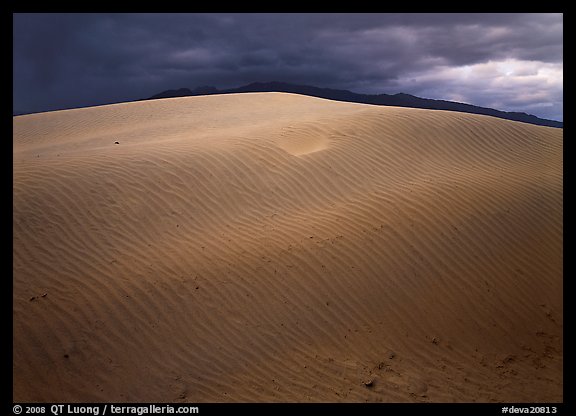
(67, 60)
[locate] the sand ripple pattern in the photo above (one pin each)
(280, 248)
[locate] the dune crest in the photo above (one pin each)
(276, 247)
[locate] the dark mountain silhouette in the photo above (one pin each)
(185, 92)
(18, 112)
(399, 100)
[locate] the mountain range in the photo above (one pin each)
(398, 100)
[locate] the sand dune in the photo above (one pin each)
(281, 248)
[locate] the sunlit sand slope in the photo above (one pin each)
(282, 248)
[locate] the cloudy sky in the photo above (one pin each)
(511, 62)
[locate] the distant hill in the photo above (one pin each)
(399, 100)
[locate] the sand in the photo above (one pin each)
(271, 247)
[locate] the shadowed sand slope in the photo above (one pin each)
(276, 247)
